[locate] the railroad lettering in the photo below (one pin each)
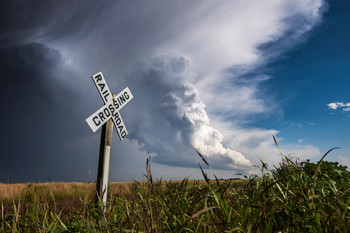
(96, 121)
(105, 95)
(98, 78)
(126, 95)
(115, 103)
(122, 99)
(118, 121)
(111, 108)
(116, 115)
(106, 112)
(100, 114)
(102, 86)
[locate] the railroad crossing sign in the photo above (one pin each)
(110, 110)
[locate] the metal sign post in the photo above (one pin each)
(105, 117)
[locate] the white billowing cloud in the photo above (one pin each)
(173, 122)
(206, 139)
(335, 105)
(257, 143)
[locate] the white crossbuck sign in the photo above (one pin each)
(111, 107)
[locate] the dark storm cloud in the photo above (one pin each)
(43, 103)
(38, 115)
(42, 111)
(24, 21)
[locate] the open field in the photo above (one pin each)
(72, 190)
(9, 192)
(294, 197)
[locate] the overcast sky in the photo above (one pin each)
(220, 77)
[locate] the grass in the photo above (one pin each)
(60, 190)
(285, 199)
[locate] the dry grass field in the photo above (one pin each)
(295, 197)
(69, 190)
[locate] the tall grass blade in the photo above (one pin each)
(204, 160)
(318, 170)
(2, 217)
(61, 222)
(195, 215)
(274, 138)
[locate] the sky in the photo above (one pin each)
(217, 77)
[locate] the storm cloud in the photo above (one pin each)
(184, 62)
(172, 113)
